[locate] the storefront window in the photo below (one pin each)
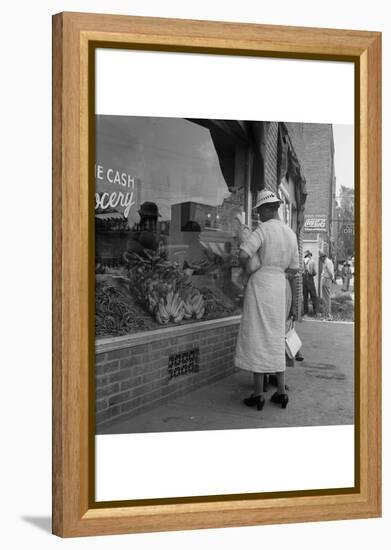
(287, 211)
(165, 224)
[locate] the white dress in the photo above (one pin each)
(261, 341)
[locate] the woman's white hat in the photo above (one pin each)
(264, 197)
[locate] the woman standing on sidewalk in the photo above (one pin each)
(261, 341)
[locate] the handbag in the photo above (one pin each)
(292, 342)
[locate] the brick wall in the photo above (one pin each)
(135, 379)
(313, 144)
(271, 157)
(296, 132)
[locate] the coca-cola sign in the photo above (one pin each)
(315, 223)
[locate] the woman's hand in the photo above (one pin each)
(291, 272)
(253, 264)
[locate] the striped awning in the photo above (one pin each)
(109, 216)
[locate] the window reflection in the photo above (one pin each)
(173, 259)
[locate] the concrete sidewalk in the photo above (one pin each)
(321, 392)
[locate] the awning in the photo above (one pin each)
(226, 135)
(289, 165)
(110, 216)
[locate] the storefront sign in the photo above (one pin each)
(183, 363)
(315, 223)
(348, 228)
(106, 178)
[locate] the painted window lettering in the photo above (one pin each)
(113, 199)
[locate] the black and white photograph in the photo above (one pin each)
(193, 224)
(225, 274)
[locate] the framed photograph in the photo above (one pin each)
(216, 274)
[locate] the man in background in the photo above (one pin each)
(328, 278)
(346, 276)
(309, 275)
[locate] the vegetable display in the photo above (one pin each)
(194, 305)
(215, 307)
(163, 288)
(149, 291)
(114, 313)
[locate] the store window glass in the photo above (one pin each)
(166, 224)
(288, 210)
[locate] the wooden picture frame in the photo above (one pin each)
(75, 513)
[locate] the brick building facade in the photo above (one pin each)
(315, 146)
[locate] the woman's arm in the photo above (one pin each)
(248, 257)
(243, 258)
(292, 282)
(250, 265)
(291, 275)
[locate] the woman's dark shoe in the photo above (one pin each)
(253, 400)
(280, 399)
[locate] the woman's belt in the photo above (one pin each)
(272, 269)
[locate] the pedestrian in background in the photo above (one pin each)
(327, 280)
(309, 275)
(346, 276)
